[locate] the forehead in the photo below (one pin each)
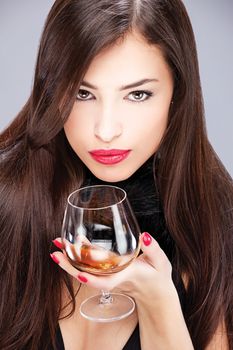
(126, 61)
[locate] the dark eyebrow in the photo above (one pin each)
(125, 87)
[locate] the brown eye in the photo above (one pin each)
(140, 96)
(83, 95)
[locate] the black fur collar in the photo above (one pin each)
(144, 198)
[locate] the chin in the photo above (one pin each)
(112, 176)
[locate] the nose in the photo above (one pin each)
(108, 125)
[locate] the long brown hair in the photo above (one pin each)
(38, 169)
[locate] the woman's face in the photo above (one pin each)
(121, 110)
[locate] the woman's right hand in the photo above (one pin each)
(148, 277)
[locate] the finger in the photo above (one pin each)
(107, 282)
(62, 260)
(58, 243)
(98, 282)
(153, 253)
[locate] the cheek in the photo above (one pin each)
(70, 129)
(149, 125)
(76, 127)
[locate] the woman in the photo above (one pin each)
(116, 75)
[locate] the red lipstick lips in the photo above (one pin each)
(109, 157)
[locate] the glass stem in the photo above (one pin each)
(105, 298)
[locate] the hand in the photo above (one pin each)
(147, 277)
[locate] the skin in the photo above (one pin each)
(110, 118)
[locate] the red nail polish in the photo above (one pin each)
(55, 259)
(58, 244)
(147, 239)
(82, 279)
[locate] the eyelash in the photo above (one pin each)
(147, 94)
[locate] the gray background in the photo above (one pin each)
(21, 24)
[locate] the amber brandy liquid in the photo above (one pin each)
(97, 260)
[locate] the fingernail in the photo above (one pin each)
(82, 279)
(147, 239)
(55, 259)
(58, 244)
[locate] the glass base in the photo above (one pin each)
(119, 307)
